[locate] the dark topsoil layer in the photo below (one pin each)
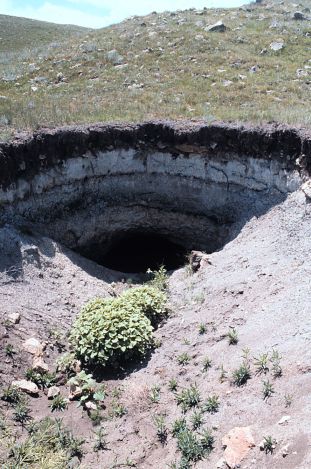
(29, 153)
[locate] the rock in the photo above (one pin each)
(196, 259)
(14, 318)
(75, 392)
(33, 346)
(53, 391)
(276, 46)
(238, 443)
(285, 450)
(26, 386)
(298, 15)
(39, 364)
(60, 77)
(306, 189)
(254, 69)
(284, 419)
(90, 405)
(221, 464)
(217, 27)
(114, 57)
(88, 47)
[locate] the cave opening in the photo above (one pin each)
(138, 252)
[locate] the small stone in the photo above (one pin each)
(33, 346)
(114, 57)
(217, 27)
(26, 386)
(221, 464)
(90, 405)
(39, 364)
(298, 15)
(284, 419)
(285, 451)
(276, 46)
(53, 391)
(238, 443)
(75, 392)
(306, 189)
(14, 318)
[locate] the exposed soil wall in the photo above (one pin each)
(190, 182)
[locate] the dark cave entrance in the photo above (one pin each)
(138, 252)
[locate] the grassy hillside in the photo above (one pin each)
(166, 66)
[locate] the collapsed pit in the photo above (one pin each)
(132, 197)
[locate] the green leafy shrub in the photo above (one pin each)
(109, 330)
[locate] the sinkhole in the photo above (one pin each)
(138, 252)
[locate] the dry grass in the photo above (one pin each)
(177, 68)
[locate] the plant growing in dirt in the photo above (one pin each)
(241, 375)
(262, 363)
(183, 359)
(22, 413)
(267, 389)
(211, 405)
(194, 447)
(232, 336)
(88, 389)
(188, 398)
(178, 426)
(207, 363)
(202, 328)
(59, 403)
(288, 398)
(42, 379)
(67, 364)
(9, 351)
(155, 394)
(276, 364)
(12, 395)
(223, 374)
(161, 428)
(100, 440)
(118, 329)
(173, 385)
(269, 444)
(159, 278)
(197, 419)
(117, 410)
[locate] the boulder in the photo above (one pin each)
(237, 445)
(26, 386)
(33, 346)
(298, 15)
(217, 27)
(53, 391)
(14, 318)
(39, 364)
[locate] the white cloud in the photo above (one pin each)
(118, 10)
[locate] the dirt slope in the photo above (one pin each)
(259, 284)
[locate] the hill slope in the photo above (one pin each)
(163, 65)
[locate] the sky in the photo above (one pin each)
(100, 13)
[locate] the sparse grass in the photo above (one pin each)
(155, 62)
(193, 447)
(12, 395)
(211, 405)
(159, 278)
(232, 336)
(223, 374)
(183, 359)
(59, 403)
(21, 413)
(188, 398)
(178, 426)
(241, 375)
